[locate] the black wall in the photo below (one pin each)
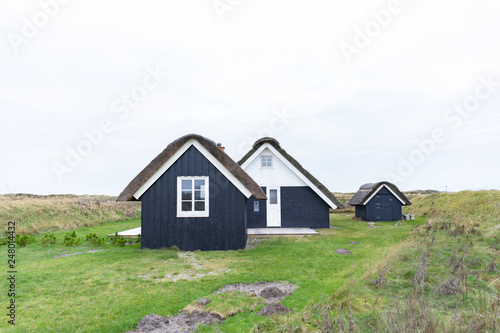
(384, 206)
(360, 211)
(224, 229)
(301, 207)
(257, 219)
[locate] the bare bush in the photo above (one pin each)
(381, 277)
(413, 314)
(450, 287)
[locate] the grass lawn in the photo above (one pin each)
(111, 290)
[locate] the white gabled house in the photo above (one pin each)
(295, 198)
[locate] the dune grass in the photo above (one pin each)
(479, 210)
(441, 278)
(37, 214)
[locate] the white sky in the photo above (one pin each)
(347, 122)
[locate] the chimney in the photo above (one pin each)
(220, 146)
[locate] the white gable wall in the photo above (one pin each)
(277, 175)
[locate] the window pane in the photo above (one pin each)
(187, 195)
(255, 206)
(266, 161)
(199, 206)
(199, 184)
(187, 206)
(199, 195)
(187, 184)
(273, 197)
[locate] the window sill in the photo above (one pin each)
(193, 214)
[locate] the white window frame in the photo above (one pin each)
(270, 159)
(180, 212)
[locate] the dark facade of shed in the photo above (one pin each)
(380, 201)
(224, 225)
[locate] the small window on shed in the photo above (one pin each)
(255, 206)
(267, 161)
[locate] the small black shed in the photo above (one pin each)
(194, 196)
(380, 201)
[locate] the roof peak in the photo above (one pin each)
(376, 185)
(266, 139)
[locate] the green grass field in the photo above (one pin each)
(111, 290)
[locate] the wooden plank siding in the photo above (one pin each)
(257, 219)
(302, 207)
(224, 229)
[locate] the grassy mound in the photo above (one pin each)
(474, 210)
(36, 213)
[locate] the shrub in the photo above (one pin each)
(48, 239)
(4, 241)
(94, 239)
(175, 248)
(138, 239)
(70, 239)
(24, 240)
(117, 240)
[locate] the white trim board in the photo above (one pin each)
(291, 167)
(192, 142)
(379, 188)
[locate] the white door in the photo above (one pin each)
(273, 207)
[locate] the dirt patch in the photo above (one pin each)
(270, 291)
(182, 323)
(76, 253)
(273, 308)
(342, 251)
(204, 301)
(198, 270)
(252, 241)
(353, 242)
(151, 323)
(188, 321)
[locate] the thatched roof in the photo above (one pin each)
(366, 190)
(273, 142)
(165, 155)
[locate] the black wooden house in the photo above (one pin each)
(380, 201)
(194, 196)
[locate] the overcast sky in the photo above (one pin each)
(356, 91)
